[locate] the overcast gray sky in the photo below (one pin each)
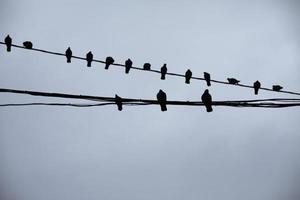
(49, 153)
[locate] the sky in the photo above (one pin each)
(142, 153)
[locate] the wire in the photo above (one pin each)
(151, 70)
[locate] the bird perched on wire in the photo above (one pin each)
(118, 101)
(207, 100)
(8, 42)
(277, 88)
(207, 78)
(233, 81)
(128, 65)
(109, 61)
(147, 66)
(163, 71)
(28, 44)
(89, 58)
(256, 86)
(188, 76)
(162, 100)
(68, 54)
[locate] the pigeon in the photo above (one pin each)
(147, 66)
(89, 58)
(109, 60)
(188, 76)
(162, 98)
(118, 101)
(207, 78)
(277, 87)
(8, 42)
(207, 100)
(256, 86)
(68, 55)
(128, 65)
(163, 72)
(27, 44)
(233, 81)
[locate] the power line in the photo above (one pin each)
(151, 70)
(259, 103)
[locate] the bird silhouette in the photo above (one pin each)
(128, 65)
(28, 44)
(109, 61)
(162, 99)
(207, 100)
(163, 71)
(188, 76)
(147, 66)
(89, 58)
(233, 81)
(68, 55)
(8, 42)
(256, 86)
(277, 87)
(207, 78)
(118, 101)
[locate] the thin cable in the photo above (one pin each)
(152, 70)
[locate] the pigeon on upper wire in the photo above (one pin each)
(89, 58)
(207, 78)
(118, 101)
(28, 44)
(147, 66)
(188, 76)
(207, 100)
(233, 81)
(109, 61)
(162, 98)
(277, 87)
(128, 65)
(256, 86)
(68, 55)
(8, 42)
(163, 71)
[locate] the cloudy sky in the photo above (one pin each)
(141, 153)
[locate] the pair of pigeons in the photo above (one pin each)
(8, 43)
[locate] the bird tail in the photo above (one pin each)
(187, 81)
(255, 91)
(127, 70)
(208, 82)
(69, 60)
(163, 107)
(120, 108)
(209, 108)
(106, 66)
(8, 48)
(163, 77)
(89, 63)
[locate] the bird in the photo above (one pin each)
(109, 61)
(233, 81)
(27, 44)
(277, 87)
(162, 99)
(128, 65)
(207, 100)
(207, 78)
(188, 76)
(89, 58)
(256, 86)
(163, 72)
(147, 66)
(68, 55)
(118, 101)
(8, 42)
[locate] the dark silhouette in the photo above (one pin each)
(8, 42)
(118, 101)
(147, 66)
(28, 44)
(233, 81)
(207, 100)
(207, 78)
(128, 65)
(277, 87)
(256, 86)
(89, 58)
(68, 55)
(163, 71)
(188, 76)
(162, 99)
(109, 61)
